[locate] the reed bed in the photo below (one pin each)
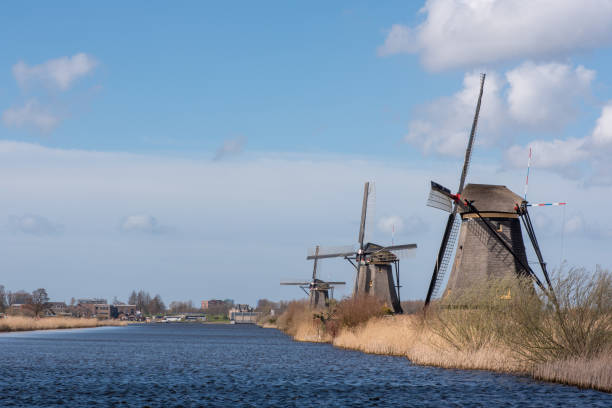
(22, 323)
(506, 327)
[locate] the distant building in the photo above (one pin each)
(124, 312)
(57, 309)
(243, 314)
(211, 303)
(92, 308)
(87, 301)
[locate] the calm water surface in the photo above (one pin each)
(184, 365)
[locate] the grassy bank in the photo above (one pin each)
(565, 339)
(21, 323)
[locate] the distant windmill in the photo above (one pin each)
(373, 263)
(490, 239)
(317, 290)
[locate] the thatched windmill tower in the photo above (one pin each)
(489, 228)
(373, 263)
(318, 291)
(478, 257)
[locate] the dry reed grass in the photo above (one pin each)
(411, 337)
(566, 338)
(22, 323)
(595, 372)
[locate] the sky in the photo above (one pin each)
(198, 150)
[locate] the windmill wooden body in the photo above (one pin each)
(479, 256)
(374, 264)
(490, 243)
(318, 291)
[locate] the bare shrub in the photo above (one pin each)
(351, 312)
(575, 322)
(412, 306)
(296, 312)
(471, 319)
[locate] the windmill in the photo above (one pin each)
(488, 230)
(452, 224)
(317, 290)
(373, 263)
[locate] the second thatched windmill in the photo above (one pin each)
(318, 291)
(373, 263)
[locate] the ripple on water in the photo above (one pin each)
(218, 365)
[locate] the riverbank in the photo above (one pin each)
(405, 336)
(21, 323)
(568, 342)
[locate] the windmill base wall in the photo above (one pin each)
(377, 280)
(481, 258)
(319, 299)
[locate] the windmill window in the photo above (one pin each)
(499, 227)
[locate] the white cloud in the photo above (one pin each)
(565, 155)
(602, 134)
(142, 223)
(32, 114)
(466, 33)
(398, 224)
(230, 147)
(56, 73)
(548, 154)
(545, 95)
(531, 96)
(248, 221)
(33, 224)
(400, 40)
(392, 223)
(445, 123)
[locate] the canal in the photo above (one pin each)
(190, 365)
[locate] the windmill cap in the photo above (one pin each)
(491, 198)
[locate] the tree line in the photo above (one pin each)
(35, 302)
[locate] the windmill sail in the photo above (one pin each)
(400, 251)
(438, 198)
(364, 210)
(316, 259)
(332, 252)
(451, 231)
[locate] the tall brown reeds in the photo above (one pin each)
(508, 326)
(23, 323)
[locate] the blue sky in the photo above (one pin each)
(199, 150)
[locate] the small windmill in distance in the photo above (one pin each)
(317, 290)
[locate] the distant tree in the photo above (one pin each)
(221, 309)
(143, 299)
(116, 301)
(157, 305)
(3, 299)
(133, 298)
(182, 307)
(72, 301)
(40, 301)
(265, 306)
(20, 297)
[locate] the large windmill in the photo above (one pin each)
(317, 290)
(489, 230)
(373, 263)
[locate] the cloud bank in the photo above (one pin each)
(467, 33)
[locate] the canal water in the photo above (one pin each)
(190, 365)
